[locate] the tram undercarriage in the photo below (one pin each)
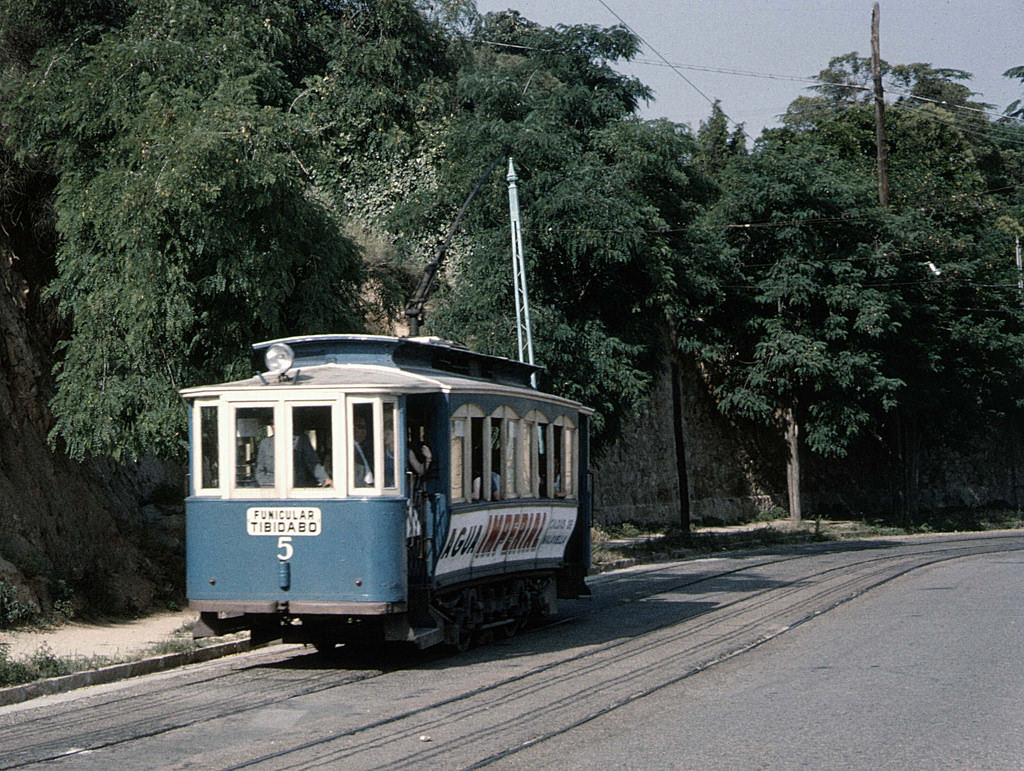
(460, 616)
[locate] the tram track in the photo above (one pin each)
(173, 705)
(589, 678)
(733, 610)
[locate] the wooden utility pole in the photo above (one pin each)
(679, 433)
(793, 480)
(876, 72)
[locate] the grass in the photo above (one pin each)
(180, 642)
(628, 543)
(44, 663)
(672, 543)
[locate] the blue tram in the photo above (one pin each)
(370, 488)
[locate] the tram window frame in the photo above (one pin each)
(462, 454)
(542, 452)
(230, 450)
(566, 454)
(380, 406)
(390, 425)
(513, 433)
(526, 461)
(459, 424)
(385, 411)
(522, 464)
(328, 462)
(201, 433)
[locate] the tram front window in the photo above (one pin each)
(362, 445)
(311, 446)
(209, 466)
(390, 451)
(254, 447)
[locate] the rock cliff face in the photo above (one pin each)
(736, 472)
(729, 479)
(69, 532)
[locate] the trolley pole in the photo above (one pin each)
(523, 336)
(1020, 272)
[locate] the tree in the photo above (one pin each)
(795, 336)
(858, 317)
(716, 146)
(1016, 108)
(605, 201)
(185, 140)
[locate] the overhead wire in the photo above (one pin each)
(678, 68)
(669, 64)
(812, 82)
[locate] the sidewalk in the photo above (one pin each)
(111, 641)
(111, 651)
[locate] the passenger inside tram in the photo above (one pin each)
(362, 446)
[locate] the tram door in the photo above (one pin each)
(420, 442)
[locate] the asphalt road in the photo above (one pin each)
(889, 653)
(925, 672)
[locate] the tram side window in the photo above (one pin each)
(362, 465)
(558, 462)
(511, 461)
(458, 459)
(311, 446)
(209, 465)
(390, 450)
(494, 470)
(254, 447)
(543, 489)
(476, 457)
(485, 459)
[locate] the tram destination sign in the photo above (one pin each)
(283, 520)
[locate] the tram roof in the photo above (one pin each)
(375, 362)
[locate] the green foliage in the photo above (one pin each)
(1016, 108)
(41, 664)
(716, 147)
(846, 311)
(228, 171)
(13, 611)
(185, 144)
(605, 200)
(45, 663)
(13, 672)
(801, 321)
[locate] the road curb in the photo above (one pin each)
(19, 693)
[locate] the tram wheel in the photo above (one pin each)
(463, 639)
(326, 647)
(511, 629)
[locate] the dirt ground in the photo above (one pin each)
(113, 641)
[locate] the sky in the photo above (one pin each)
(752, 54)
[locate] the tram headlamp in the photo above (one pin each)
(279, 358)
